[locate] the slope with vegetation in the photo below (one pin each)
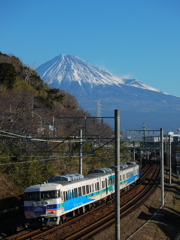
(27, 108)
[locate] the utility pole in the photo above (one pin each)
(170, 160)
(54, 128)
(80, 151)
(117, 174)
(134, 151)
(144, 132)
(162, 166)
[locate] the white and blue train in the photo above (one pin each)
(49, 203)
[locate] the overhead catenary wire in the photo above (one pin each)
(55, 158)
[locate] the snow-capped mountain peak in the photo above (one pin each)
(136, 83)
(67, 68)
(138, 102)
(73, 68)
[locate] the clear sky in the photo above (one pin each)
(130, 38)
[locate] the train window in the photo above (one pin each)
(69, 194)
(92, 187)
(32, 196)
(50, 194)
(120, 178)
(110, 181)
(66, 195)
(84, 190)
(45, 195)
(97, 186)
(87, 189)
(75, 193)
(57, 194)
(102, 184)
(80, 192)
(65, 198)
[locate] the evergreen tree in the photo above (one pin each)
(7, 74)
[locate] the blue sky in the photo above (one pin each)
(133, 38)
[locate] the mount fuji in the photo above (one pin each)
(138, 103)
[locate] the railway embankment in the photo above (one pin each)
(151, 221)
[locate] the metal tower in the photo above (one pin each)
(98, 108)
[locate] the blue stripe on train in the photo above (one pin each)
(133, 178)
(76, 202)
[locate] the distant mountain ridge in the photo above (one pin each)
(138, 102)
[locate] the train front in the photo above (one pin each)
(43, 203)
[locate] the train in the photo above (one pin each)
(51, 202)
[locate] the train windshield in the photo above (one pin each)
(32, 196)
(37, 196)
(50, 194)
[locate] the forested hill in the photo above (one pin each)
(27, 103)
(14, 75)
(28, 108)
(24, 96)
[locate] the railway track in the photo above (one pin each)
(126, 208)
(88, 224)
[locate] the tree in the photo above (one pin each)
(7, 74)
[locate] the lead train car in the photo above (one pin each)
(50, 202)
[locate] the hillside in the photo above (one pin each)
(28, 107)
(26, 99)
